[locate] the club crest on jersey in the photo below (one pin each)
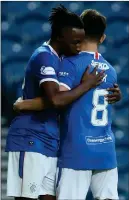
(102, 66)
(33, 187)
(63, 73)
(47, 71)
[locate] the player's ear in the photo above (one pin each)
(102, 38)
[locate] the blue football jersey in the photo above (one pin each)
(86, 138)
(37, 131)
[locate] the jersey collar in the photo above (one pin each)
(50, 47)
(96, 54)
(91, 52)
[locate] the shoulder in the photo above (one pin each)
(74, 60)
(110, 66)
(111, 72)
(41, 52)
(42, 59)
(77, 58)
(42, 56)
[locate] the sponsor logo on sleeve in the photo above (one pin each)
(47, 71)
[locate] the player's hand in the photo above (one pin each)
(17, 105)
(94, 78)
(115, 96)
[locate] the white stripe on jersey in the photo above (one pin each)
(63, 84)
(48, 79)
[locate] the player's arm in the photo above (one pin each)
(115, 96)
(62, 98)
(59, 96)
(42, 70)
(36, 104)
(39, 103)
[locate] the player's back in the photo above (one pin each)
(87, 141)
(36, 131)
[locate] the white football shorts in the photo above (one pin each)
(74, 184)
(38, 175)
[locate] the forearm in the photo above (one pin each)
(36, 104)
(64, 98)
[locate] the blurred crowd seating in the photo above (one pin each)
(25, 26)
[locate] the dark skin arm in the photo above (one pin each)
(57, 98)
(39, 103)
(115, 96)
(36, 104)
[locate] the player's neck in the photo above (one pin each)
(89, 46)
(54, 45)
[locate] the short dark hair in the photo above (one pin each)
(94, 24)
(60, 18)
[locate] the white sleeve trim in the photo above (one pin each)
(65, 85)
(48, 79)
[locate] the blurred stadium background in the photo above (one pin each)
(25, 26)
